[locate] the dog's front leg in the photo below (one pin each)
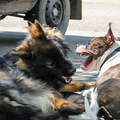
(76, 86)
(12, 110)
(43, 98)
(32, 94)
(67, 107)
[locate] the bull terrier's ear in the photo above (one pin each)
(36, 30)
(110, 37)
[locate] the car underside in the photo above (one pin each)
(55, 13)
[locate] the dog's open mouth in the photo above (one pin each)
(88, 60)
(64, 79)
(67, 79)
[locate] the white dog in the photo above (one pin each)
(103, 55)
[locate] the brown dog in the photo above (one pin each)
(103, 55)
(33, 75)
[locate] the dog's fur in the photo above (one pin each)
(106, 92)
(32, 76)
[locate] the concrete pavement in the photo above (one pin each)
(13, 34)
(17, 33)
(102, 1)
(96, 16)
(73, 38)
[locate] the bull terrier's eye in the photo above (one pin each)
(100, 47)
(89, 43)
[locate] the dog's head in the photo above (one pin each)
(44, 54)
(96, 48)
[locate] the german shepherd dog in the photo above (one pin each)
(32, 76)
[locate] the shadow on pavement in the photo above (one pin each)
(80, 75)
(11, 37)
(8, 40)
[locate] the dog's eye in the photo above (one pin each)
(100, 47)
(89, 43)
(50, 64)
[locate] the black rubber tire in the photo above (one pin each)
(39, 13)
(2, 17)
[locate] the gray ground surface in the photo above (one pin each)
(96, 16)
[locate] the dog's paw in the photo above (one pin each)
(71, 108)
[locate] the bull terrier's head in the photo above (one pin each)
(95, 49)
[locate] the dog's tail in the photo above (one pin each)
(88, 110)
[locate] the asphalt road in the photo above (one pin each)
(96, 16)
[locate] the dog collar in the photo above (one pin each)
(109, 56)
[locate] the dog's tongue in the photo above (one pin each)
(87, 62)
(67, 80)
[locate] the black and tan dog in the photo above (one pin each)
(104, 55)
(32, 76)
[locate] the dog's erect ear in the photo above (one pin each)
(22, 52)
(36, 30)
(110, 37)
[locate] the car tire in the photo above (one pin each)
(2, 17)
(55, 13)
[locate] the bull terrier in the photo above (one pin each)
(103, 55)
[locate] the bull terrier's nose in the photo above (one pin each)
(77, 46)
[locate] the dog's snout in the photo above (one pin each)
(77, 46)
(72, 70)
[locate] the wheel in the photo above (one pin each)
(2, 17)
(55, 13)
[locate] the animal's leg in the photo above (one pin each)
(33, 94)
(104, 114)
(45, 99)
(76, 86)
(12, 110)
(67, 107)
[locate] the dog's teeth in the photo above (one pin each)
(79, 54)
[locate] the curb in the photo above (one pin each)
(12, 34)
